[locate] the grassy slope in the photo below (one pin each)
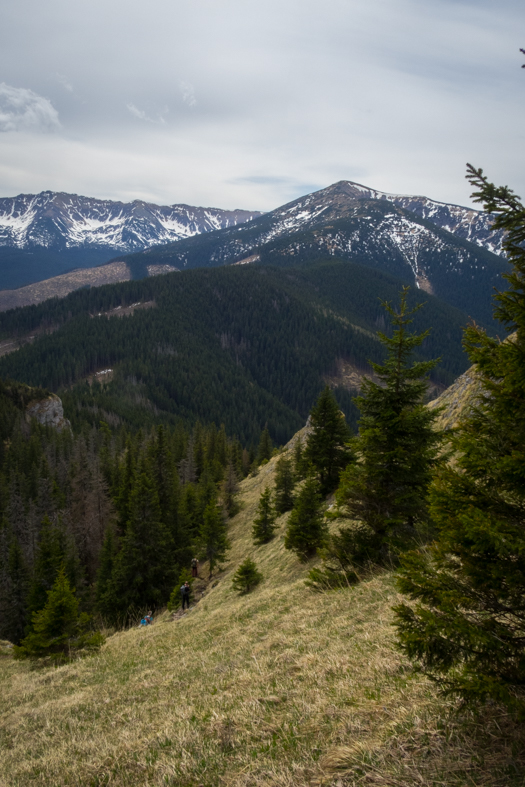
(281, 687)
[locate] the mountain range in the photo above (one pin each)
(43, 235)
(444, 249)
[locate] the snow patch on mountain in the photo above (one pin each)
(67, 221)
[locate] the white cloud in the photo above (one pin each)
(23, 110)
(141, 115)
(294, 94)
(64, 82)
(188, 94)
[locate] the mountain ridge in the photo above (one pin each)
(112, 222)
(444, 249)
(47, 234)
(373, 232)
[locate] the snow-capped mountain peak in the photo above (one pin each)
(67, 221)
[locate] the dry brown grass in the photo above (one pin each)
(282, 687)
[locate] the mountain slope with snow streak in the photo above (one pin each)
(344, 221)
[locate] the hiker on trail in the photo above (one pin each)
(185, 593)
(147, 620)
(195, 567)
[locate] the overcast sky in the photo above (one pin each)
(243, 104)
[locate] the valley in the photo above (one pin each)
(185, 384)
(272, 335)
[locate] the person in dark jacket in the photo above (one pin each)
(185, 594)
(194, 567)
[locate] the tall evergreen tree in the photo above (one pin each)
(54, 551)
(14, 586)
(397, 445)
(467, 626)
(306, 530)
(58, 630)
(144, 571)
(300, 463)
(326, 446)
(229, 489)
(264, 523)
(284, 485)
(125, 486)
(213, 540)
(167, 483)
(264, 452)
(105, 568)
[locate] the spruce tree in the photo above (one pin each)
(246, 577)
(467, 626)
(397, 446)
(105, 569)
(58, 631)
(144, 571)
(213, 541)
(14, 585)
(127, 476)
(306, 530)
(284, 485)
(229, 489)
(54, 551)
(300, 464)
(264, 523)
(326, 446)
(264, 452)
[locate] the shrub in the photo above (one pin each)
(352, 545)
(246, 577)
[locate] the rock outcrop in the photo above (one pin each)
(48, 412)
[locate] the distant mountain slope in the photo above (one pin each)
(373, 232)
(60, 286)
(238, 345)
(42, 235)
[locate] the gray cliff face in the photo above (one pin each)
(48, 412)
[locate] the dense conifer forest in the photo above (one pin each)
(222, 365)
(121, 512)
(240, 346)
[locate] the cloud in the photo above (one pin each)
(292, 95)
(141, 115)
(23, 110)
(188, 94)
(65, 84)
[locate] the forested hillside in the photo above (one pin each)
(371, 232)
(240, 346)
(120, 513)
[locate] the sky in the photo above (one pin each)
(244, 104)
